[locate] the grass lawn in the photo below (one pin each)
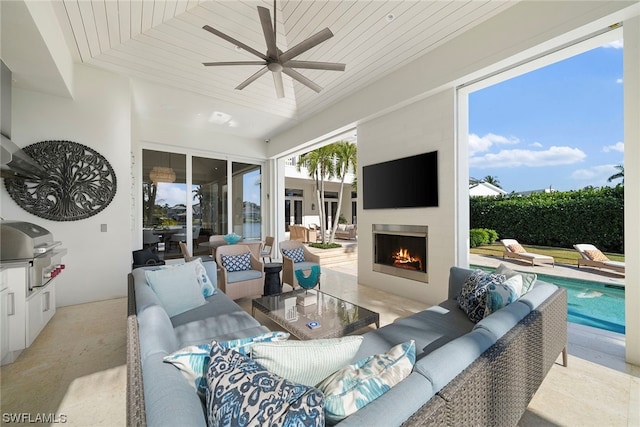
(560, 255)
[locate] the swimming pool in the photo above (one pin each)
(590, 303)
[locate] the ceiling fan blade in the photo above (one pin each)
(253, 78)
(302, 79)
(215, 64)
(277, 80)
(307, 44)
(235, 42)
(269, 34)
(313, 65)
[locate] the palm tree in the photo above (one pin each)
(346, 160)
(319, 164)
(618, 175)
(493, 180)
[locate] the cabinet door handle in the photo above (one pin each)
(47, 301)
(12, 304)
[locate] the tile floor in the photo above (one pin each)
(76, 368)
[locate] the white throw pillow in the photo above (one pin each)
(177, 288)
(306, 362)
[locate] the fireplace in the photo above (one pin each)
(401, 250)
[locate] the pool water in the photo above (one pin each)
(590, 303)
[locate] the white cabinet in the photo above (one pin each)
(41, 306)
(4, 314)
(26, 313)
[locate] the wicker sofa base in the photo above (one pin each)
(496, 389)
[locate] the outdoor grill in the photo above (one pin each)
(27, 243)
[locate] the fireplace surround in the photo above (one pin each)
(401, 250)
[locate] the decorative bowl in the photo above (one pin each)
(232, 238)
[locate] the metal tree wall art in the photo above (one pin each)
(80, 182)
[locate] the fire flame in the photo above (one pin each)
(404, 259)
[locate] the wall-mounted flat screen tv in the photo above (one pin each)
(410, 182)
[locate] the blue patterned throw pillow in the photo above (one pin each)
(357, 385)
(297, 254)
(193, 360)
(242, 393)
(473, 296)
(240, 262)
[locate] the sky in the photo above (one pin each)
(560, 126)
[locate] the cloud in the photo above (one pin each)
(536, 145)
(517, 158)
(619, 81)
(616, 44)
(618, 146)
(479, 144)
(171, 194)
(594, 173)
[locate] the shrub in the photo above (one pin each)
(492, 235)
(478, 236)
(325, 245)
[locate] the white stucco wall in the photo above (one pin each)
(99, 117)
(424, 126)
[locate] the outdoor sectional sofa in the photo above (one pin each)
(465, 373)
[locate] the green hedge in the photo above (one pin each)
(482, 236)
(560, 219)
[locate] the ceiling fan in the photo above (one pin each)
(275, 60)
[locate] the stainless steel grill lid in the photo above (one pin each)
(24, 240)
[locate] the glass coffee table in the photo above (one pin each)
(324, 316)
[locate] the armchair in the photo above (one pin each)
(241, 273)
(290, 249)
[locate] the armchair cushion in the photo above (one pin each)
(241, 276)
(240, 262)
(297, 254)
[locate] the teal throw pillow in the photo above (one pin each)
(206, 286)
(501, 295)
(193, 361)
(528, 279)
(355, 386)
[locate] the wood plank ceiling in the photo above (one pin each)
(162, 41)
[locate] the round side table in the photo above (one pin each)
(272, 284)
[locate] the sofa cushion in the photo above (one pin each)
(499, 296)
(412, 393)
(528, 279)
(538, 294)
(500, 322)
(177, 288)
(241, 276)
(445, 363)
(297, 254)
(241, 392)
(220, 316)
(156, 333)
(431, 328)
(193, 360)
(145, 297)
(239, 262)
(473, 296)
(355, 386)
(169, 400)
(306, 362)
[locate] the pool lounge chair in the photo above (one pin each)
(593, 257)
(513, 249)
